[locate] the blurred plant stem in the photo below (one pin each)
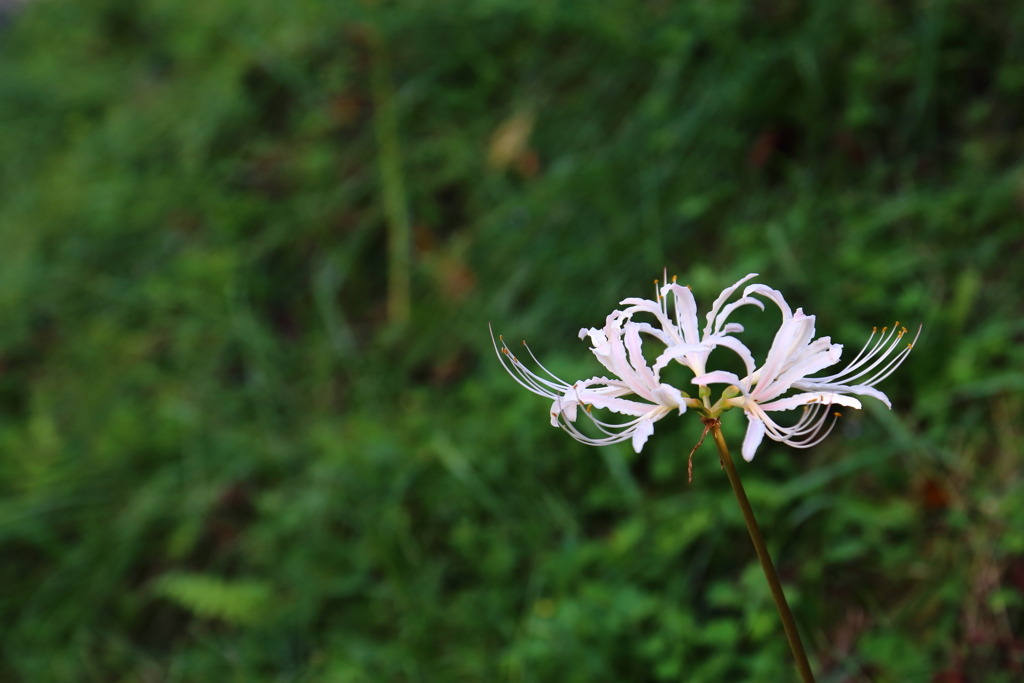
(385, 126)
(762, 553)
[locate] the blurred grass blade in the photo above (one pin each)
(389, 160)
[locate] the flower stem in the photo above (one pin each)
(762, 553)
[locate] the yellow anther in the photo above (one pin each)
(897, 324)
(524, 342)
(874, 329)
(500, 338)
(689, 288)
(910, 346)
(838, 414)
(655, 282)
(588, 407)
(884, 329)
(904, 330)
(673, 279)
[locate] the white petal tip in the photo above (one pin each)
(755, 433)
(641, 434)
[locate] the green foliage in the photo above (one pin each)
(218, 460)
(210, 597)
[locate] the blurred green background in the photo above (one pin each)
(222, 458)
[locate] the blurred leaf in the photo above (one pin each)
(236, 602)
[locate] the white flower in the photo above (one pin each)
(619, 347)
(791, 359)
(680, 336)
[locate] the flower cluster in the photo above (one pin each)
(636, 390)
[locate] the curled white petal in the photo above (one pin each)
(641, 433)
(721, 377)
(680, 352)
(668, 396)
(773, 294)
(720, 301)
(754, 436)
(811, 397)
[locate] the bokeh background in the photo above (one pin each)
(226, 453)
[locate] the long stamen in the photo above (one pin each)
(881, 349)
(606, 428)
(532, 377)
(541, 365)
(816, 419)
(527, 380)
(887, 370)
(774, 431)
(896, 361)
(891, 367)
(879, 345)
(808, 425)
(523, 376)
(815, 440)
(853, 362)
(846, 377)
(528, 386)
(559, 384)
(613, 425)
(583, 438)
(514, 374)
(675, 305)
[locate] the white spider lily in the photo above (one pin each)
(792, 357)
(619, 347)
